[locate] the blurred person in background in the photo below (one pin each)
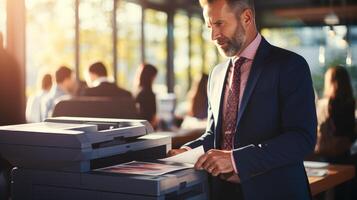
(33, 107)
(99, 84)
(196, 115)
(10, 89)
(336, 124)
(198, 98)
(63, 89)
(10, 107)
(81, 86)
(145, 97)
(336, 120)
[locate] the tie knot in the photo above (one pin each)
(239, 62)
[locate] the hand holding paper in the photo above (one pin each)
(216, 162)
(187, 157)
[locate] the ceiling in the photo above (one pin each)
(282, 13)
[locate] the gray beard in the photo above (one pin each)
(235, 44)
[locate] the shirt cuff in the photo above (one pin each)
(234, 163)
(186, 147)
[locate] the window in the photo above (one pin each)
(322, 47)
(95, 35)
(181, 59)
(3, 18)
(196, 46)
(129, 42)
(304, 41)
(155, 45)
(210, 53)
(49, 37)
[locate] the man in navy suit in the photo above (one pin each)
(261, 112)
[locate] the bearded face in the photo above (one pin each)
(231, 45)
(226, 26)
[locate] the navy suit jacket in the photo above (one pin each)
(107, 89)
(276, 124)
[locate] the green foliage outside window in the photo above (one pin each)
(128, 43)
(95, 35)
(49, 37)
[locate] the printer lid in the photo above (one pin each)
(72, 132)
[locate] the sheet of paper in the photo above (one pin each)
(316, 172)
(313, 164)
(142, 168)
(187, 157)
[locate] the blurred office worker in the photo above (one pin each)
(145, 96)
(10, 88)
(336, 123)
(336, 119)
(63, 89)
(10, 107)
(197, 103)
(261, 112)
(100, 85)
(33, 107)
(198, 98)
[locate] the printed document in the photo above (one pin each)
(188, 157)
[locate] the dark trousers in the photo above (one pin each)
(5, 168)
(220, 189)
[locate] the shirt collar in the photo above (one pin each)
(99, 81)
(56, 90)
(250, 51)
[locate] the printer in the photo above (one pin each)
(58, 160)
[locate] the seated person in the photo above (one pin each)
(145, 97)
(99, 84)
(63, 89)
(81, 86)
(336, 123)
(33, 107)
(196, 115)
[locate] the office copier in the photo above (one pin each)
(57, 160)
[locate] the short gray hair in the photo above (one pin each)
(234, 4)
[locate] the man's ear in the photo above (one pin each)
(247, 17)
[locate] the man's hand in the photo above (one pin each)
(215, 162)
(230, 177)
(173, 152)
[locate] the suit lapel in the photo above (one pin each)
(257, 67)
(218, 89)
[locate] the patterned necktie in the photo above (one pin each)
(231, 106)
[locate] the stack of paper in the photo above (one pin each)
(181, 161)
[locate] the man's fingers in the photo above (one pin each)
(210, 163)
(215, 172)
(210, 160)
(174, 152)
(200, 161)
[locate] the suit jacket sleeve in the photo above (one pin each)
(207, 139)
(297, 135)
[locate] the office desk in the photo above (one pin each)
(337, 174)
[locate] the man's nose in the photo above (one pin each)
(215, 34)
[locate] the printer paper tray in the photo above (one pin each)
(113, 183)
